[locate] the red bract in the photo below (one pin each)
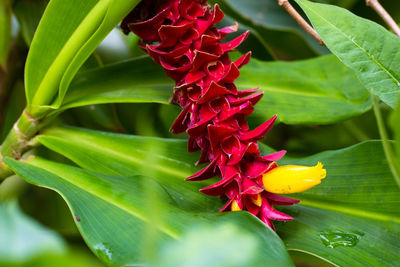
(180, 35)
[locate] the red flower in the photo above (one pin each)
(181, 36)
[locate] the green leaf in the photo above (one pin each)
(364, 46)
(5, 31)
(138, 80)
(24, 239)
(358, 197)
(308, 91)
(127, 155)
(112, 213)
(316, 91)
(56, 55)
(357, 204)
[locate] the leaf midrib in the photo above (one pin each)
(136, 89)
(107, 150)
(287, 91)
(107, 199)
(97, 100)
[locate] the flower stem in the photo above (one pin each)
(384, 15)
(299, 19)
(387, 148)
(17, 141)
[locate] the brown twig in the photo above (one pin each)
(299, 19)
(384, 15)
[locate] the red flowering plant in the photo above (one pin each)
(123, 177)
(182, 37)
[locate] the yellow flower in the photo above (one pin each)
(256, 199)
(235, 206)
(293, 179)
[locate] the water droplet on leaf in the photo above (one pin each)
(335, 238)
(104, 251)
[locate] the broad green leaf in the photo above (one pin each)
(22, 238)
(112, 213)
(355, 207)
(127, 155)
(28, 14)
(358, 197)
(364, 46)
(318, 91)
(273, 27)
(5, 31)
(56, 55)
(137, 80)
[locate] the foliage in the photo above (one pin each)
(362, 45)
(121, 173)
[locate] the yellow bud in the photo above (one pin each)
(235, 206)
(256, 199)
(293, 179)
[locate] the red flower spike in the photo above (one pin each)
(188, 46)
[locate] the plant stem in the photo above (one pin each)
(384, 15)
(299, 19)
(17, 141)
(387, 148)
(4, 170)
